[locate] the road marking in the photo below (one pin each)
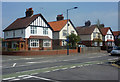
(73, 67)
(14, 65)
(9, 78)
(64, 68)
(23, 75)
(47, 71)
(55, 69)
(42, 78)
(14, 79)
(27, 77)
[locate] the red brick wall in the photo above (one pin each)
(47, 52)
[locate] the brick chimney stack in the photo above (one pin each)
(60, 17)
(29, 12)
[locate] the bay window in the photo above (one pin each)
(34, 43)
(33, 30)
(45, 31)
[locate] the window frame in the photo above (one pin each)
(33, 29)
(48, 42)
(34, 43)
(64, 33)
(45, 31)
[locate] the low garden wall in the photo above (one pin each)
(52, 52)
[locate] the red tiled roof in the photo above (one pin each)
(58, 25)
(116, 33)
(104, 30)
(85, 30)
(14, 39)
(23, 22)
(39, 37)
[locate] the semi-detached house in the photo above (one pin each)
(60, 31)
(29, 33)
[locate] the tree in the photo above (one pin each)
(73, 40)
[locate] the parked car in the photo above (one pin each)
(110, 48)
(115, 51)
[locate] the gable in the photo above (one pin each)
(39, 22)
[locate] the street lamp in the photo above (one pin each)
(67, 29)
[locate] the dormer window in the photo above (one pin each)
(33, 30)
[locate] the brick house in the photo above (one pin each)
(108, 37)
(60, 31)
(90, 35)
(117, 37)
(31, 32)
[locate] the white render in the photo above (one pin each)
(38, 22)
(85, 37)
(96, 30)
(9, 34)
(70, 28)
(107, 36)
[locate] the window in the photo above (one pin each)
(34, 43)
(101, 44)
(64, 32)
(22, 31)
(13, 33)
(6, 33)
(95, 43)
(72, 31)
(45, 31)
(63, 43)
(33, 30)
(110, 36)
(46, 43)
(94, 35)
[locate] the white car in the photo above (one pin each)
(115, 51)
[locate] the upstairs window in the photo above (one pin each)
(22, 31)
(94, 35)
(64, 32)
(13, 33)
(33, 30)
(45, 31)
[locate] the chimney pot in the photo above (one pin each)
(60, 17)
(29, 12)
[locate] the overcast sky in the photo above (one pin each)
(106, 12)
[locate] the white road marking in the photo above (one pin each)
(9, 78)
(64, 68)
(34, 73)
(41, 78)
(14, 65)
(14, 79)
(27, 77)
(73, 67)
(47, 71)
(55, 69)
(23, 75)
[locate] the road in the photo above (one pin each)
(90, 66)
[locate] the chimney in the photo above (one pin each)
(87, 23)
(29, 12)
(60, 17)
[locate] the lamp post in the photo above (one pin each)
(67, 29)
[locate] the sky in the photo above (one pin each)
(106, 12)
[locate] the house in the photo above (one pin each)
(117, 37)
(60, 30)
(90, 35)
(31, 32)
(108, 36)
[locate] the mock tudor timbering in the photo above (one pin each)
(29, 33)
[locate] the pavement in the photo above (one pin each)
(89, 66)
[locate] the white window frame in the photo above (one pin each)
(64, 43)
(33, 30)
(94, 35)
(95, 43)
(13, 33)
(64, 32)
(101, 44)
(34, 43)
(46, 42)
(45, 31)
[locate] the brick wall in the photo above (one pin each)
(43, 52)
